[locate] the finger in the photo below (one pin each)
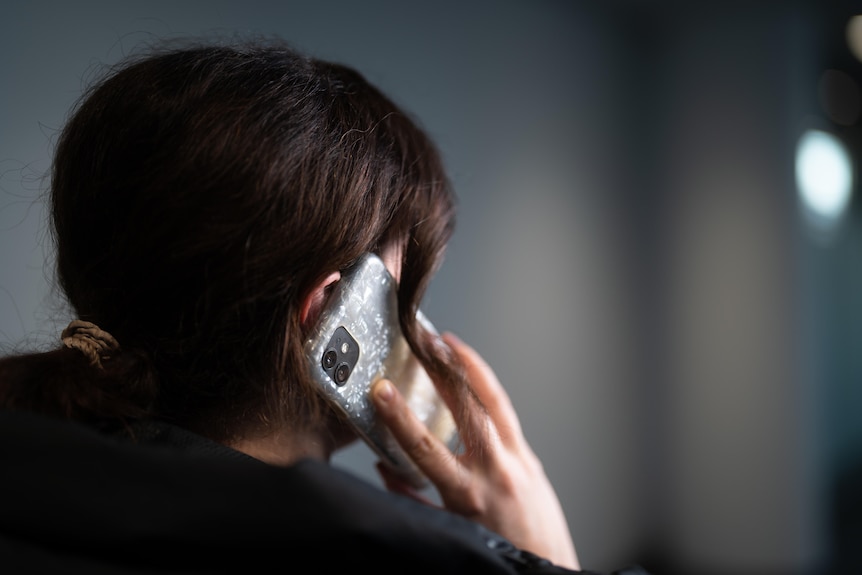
(488, 389)
(397, 485)
(432, 457)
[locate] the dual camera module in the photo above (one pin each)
(340, 356)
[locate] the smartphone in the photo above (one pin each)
(357, 341)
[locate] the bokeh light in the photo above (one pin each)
(839, 97)
(854, 36)
(824, 177)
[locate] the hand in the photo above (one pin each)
(505, 488)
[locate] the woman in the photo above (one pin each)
(204, 202)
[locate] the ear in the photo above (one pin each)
(313, 303)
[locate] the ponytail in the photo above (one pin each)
(89, 379)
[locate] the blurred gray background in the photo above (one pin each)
(676, 330)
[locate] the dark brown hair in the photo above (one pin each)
(197, 196)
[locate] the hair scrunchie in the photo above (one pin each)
(96, 344)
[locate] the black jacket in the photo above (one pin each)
(78, 501)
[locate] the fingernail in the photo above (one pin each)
(383, 391)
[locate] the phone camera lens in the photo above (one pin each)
(342, 372)
(329, 359)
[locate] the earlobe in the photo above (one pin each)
(313, 303)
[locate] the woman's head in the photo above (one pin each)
(200, 194)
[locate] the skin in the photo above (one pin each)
(505, 490)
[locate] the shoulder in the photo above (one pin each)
(192, 505)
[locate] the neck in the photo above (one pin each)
(283, 447)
